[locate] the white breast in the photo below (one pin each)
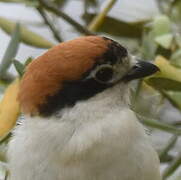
(100, 139)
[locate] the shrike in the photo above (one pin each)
(78, 124)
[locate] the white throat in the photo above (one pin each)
(108, 101)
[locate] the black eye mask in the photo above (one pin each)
(105, 74)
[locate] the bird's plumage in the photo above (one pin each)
(65, 62)
(97, 137)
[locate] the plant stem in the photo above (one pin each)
(168, 146)
(176, 123)
(167, 159)
(159, 125)
(49, 24)
(10, 51)
(172, 167)
(50, 6)
(99, 19)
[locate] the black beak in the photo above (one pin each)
(141, 69)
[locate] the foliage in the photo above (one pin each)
(155, 37)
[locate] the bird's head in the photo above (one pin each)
(77, 70)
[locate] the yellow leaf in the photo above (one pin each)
(167, 81)
(27, 36)
(167, 70)
(168, 78)
(9, 108)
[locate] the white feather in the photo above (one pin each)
(97, 139)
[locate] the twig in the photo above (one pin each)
(168, 146)
(172, 167)
(50, 6)
(49, 24)
(176, 123)
(99, 19)
(167, 159)
(10, 51)
(159, 125)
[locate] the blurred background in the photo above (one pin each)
(150, 30)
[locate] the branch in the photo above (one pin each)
(49, 6)
(11, 51)
(49, 24)
(99, 19)
(171, 142)
(159, 125)
(172, 167)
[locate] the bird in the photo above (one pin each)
(78, 124)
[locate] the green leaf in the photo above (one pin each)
(28, 61)
(161, 25)
(174, 97)
(176, 58)
(164, 84)
(178, 39)
(162, 31)
(167, 70)
(149, 46)
(165, 40)
(10, 51)
(27, 36)
(19, 67)
(117, 27)
(13, 1)
(168, 79)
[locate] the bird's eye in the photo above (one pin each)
(104, 74)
